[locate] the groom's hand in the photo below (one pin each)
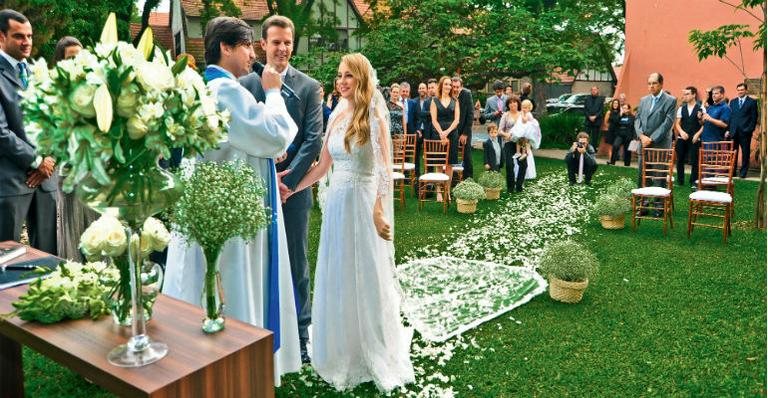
(285, 192)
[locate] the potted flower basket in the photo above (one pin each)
(467, 193)
(568, 266)
(493, 183)
(613, 204)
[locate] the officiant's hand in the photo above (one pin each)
(382, 226)
(270, 78)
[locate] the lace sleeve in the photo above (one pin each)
(381, 143)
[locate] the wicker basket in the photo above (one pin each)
(567, 292)
(466, 206)
(492, 193)
(609, 222)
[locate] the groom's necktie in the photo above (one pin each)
(653, 102)
(23, 74)
(741, 102)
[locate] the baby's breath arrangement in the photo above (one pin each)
(491, 179)
(469, 190)
(221, 200)
(568, 261)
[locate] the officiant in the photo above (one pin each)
(256, 275)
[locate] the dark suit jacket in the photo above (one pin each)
(307, 112)
(743, 118)
(17, 153)
(593, 106)
(413, 115)
(489, 155)
(425, 119)
(466, 112)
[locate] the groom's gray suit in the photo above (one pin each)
(307, 112)
(18, 202)
(655, 121)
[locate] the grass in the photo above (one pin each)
(667, 316)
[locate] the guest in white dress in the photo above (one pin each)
(256, 275)
(357, 334)
(528, 127)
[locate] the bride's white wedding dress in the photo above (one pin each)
(357, 332)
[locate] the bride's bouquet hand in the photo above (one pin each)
(382, 226)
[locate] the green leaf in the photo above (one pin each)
(118, 151)
(180, 65)
(99, 173)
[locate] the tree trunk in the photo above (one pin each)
(760, 215)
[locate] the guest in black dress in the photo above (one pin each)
(445, 117)
(625, 132)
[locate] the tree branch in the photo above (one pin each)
(736, 7)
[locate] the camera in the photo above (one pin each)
(579, 145)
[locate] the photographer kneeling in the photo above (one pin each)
(581, 160)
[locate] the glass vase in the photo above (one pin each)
(213, 295)
(120, 298)
(133, 191)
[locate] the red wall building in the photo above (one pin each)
(656, 33)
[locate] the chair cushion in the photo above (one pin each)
(407, 166)
(651, 191)
(396, 175)
(714, 180)
(711, 196)
(457, 167)
(433, 177)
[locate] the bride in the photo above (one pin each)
(357, 334)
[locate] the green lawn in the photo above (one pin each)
(667, 316)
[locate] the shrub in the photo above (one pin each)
(469, 190)
(611, 204)
(491, 179)
(568, 261)
(622, 187)
(559, 130)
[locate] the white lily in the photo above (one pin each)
(109, 32)
(102, 102)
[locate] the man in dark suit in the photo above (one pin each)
(593, 115)
(743, 122)
(466, 113)
(27, 185)
(414, 125)
(277, 41)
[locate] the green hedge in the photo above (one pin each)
(559, 130)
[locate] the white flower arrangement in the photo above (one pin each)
(117, 105)
(106, 237)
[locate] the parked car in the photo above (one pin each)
(559, 99)
(573, 104)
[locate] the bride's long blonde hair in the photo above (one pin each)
(359, 130)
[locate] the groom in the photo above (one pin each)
(306, 110)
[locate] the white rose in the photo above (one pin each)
(40, 71)
(155, 233)
(136, 128)
(81, 100)
(115, 242)
(155, 76)
(126, 102)
(90, 241)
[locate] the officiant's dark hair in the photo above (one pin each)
(8, 14)
(228, 30)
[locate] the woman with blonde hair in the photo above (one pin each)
(356, 332)
(445, 117)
